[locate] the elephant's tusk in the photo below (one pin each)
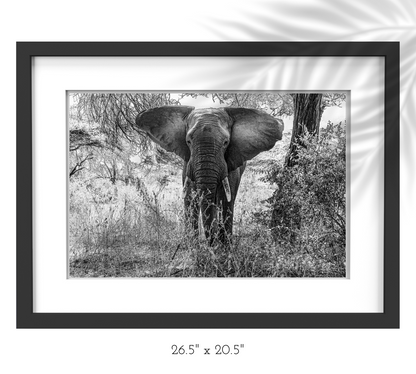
(226, 185)
(185, 185)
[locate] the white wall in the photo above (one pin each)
(136, 351)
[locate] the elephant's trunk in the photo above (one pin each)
(207, 172)
(206, 184)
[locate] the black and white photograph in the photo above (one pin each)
(207, 184)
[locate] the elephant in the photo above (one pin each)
(215, 144)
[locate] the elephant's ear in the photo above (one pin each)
(166, 126)
(252, 132)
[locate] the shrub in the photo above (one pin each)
(308, 206)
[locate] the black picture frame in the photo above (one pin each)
(26, 318)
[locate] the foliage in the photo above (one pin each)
(333, 99)
(103, 139)
(275, 103)
(126, 213)
(115, 113)
(309, 202)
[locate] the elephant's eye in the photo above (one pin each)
(225, 143)
(188, 142)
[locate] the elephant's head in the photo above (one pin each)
(213, 142)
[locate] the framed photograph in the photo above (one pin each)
(208, 185)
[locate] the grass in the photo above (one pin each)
(124, 231)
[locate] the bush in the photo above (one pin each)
(308, 206)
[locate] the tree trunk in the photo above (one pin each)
(307, 114)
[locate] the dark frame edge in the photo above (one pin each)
(207, 320)
(24, 202)
(391, 265)
(26, 318)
